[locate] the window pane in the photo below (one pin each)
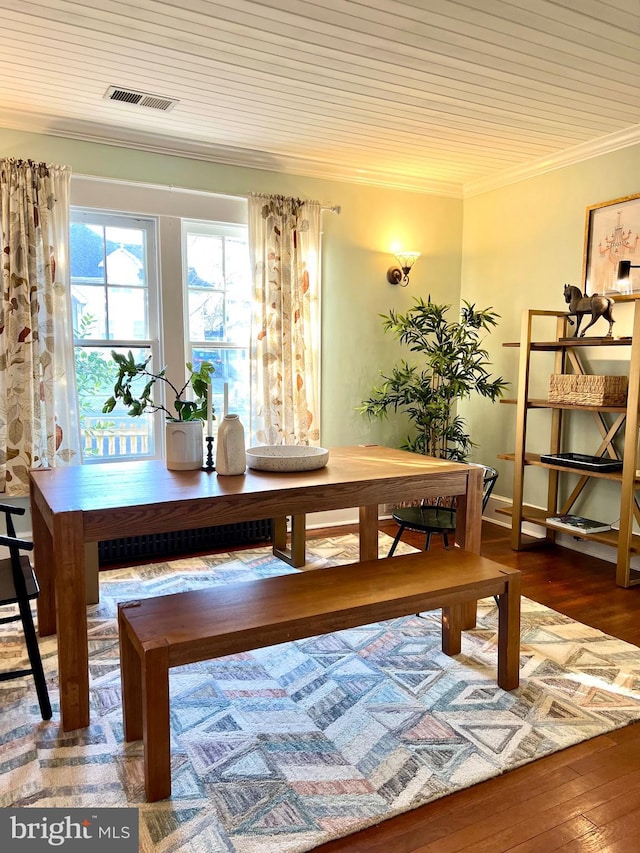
(236, 259)
(128, 313)
(125, 256)
(204, 260)
(115, 435)
(238, 316)
(206, 314)
(231, 366)
(87, 252)
(218, 264)
(89, 307)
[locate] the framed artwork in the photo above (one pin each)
(612, 235)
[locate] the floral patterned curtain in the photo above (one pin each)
(284, 240)
(38, 409)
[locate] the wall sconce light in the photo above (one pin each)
(624, 271)
(400, 275)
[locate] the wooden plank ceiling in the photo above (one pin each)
(438, 95)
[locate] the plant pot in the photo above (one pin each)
(184, 445)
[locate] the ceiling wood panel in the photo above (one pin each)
(424, 94)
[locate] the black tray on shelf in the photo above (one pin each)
(582, 460)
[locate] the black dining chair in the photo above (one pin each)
(434, 518)
(18, 586)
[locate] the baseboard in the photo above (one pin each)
(582, 546)
(336, 518)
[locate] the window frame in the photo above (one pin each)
(148, 224)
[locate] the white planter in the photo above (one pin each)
(184, 445)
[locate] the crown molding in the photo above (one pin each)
(247, 158)
(568, 157)
(224, 155)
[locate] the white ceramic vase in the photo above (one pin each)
(231, 458)
(184, 445)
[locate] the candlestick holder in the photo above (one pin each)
(209, 466)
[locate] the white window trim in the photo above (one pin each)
(157, 200)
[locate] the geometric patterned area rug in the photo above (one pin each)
(285, 748)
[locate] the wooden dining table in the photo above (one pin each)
(81, 504)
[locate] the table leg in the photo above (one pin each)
(43, 561)
(71, 616)
(469, 531)
(369, 532)
(452, 629)
(469, 513)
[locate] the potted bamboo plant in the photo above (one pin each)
(453, 364)
(184, 416)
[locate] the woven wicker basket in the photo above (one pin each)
(587, 390)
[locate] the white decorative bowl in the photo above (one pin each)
(287, 457)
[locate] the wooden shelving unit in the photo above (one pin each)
(624, 422)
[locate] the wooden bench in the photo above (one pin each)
(186, 627)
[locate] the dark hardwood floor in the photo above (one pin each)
(585, 798)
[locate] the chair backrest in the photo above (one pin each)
(18, 585)
(489, 478)
(21, 585)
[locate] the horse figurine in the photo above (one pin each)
(596, 305)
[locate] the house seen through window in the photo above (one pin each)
(116, 304)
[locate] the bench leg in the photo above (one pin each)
(131, 678)
(509, 634)
(452, 619)
(155, 723)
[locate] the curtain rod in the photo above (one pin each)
(332, 208)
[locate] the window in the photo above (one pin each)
(218, 309)
(114, 304)
(167, 275)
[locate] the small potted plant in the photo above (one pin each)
(185, 417)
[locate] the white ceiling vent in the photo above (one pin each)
(140, 99)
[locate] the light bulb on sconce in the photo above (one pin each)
(400, 274)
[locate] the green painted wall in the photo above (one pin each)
(520, 245)
(355, 258)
